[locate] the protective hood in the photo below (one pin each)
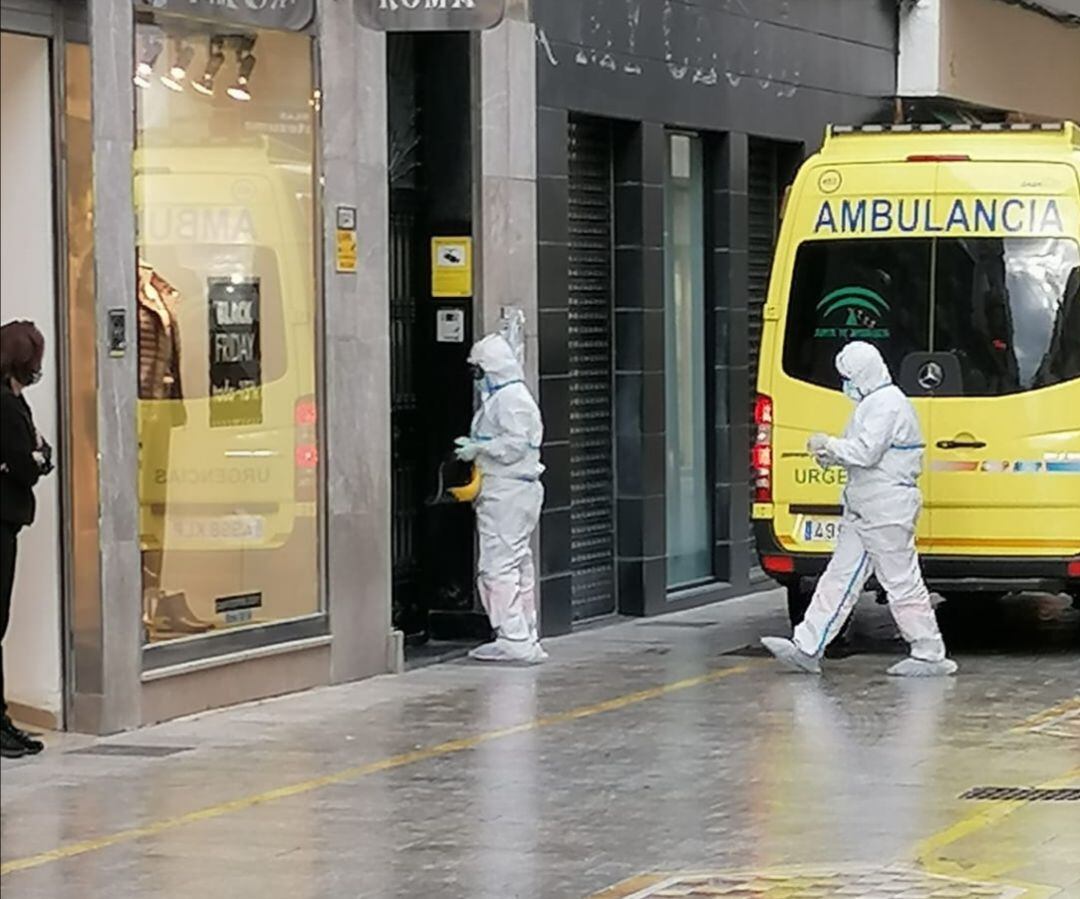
(497, 359)
(862, 364)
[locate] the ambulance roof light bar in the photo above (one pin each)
(909, 128)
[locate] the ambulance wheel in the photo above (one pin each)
(797, 604)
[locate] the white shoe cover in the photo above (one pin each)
(910, 667)
(502, 650)
(790, 656)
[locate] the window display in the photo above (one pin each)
(227, 315)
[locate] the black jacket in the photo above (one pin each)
(19, 470)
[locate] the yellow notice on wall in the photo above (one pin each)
(346, 250)
(451, 267)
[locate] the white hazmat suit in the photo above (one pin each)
(505, 439)
(882, 453)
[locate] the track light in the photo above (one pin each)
(174, 78)
(152, 48)
(214, 61)
(245, 63)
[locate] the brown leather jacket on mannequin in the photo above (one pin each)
(159, 340)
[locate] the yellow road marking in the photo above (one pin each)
(1071, 704)
(927, 852)
(355, 773)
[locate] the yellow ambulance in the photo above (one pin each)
(955, 251)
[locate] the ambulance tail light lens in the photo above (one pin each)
(939, 157)
(778, 564)
(761, 455)
(1074, 568)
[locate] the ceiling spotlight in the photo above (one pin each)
(152, 48)
(214, 61)
(174, 79)
(245, 63)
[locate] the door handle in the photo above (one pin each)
(960, 444)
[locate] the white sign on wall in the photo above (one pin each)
(430, 15)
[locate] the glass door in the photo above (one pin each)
(689, 530)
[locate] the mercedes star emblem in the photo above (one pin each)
(931, 376)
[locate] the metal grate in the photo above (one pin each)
(592, 475)
(130, 750)
(763, 226)
(1023, 794)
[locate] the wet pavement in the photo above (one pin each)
(649, 758)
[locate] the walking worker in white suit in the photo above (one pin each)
(882, 452)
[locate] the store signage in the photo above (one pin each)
(430, 15)
(285, 15)
(235, 352)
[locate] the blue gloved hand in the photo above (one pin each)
(467, 449)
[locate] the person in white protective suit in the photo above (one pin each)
(882, 452)
(505, 439)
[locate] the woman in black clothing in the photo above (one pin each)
(24, 457)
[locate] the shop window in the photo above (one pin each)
(689, 533)
(226, 291)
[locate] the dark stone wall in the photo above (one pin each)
(729, 70)
(773, 68)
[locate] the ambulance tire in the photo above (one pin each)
(798, 601)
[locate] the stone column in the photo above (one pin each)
(108, 639)
(506, 183)
(356, 348)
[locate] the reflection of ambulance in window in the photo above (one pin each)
(957, 253)
(228, 446)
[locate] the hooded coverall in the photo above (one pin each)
(882, 452)
(505, 440)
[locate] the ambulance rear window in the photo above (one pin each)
(877, 290)
(1008, 309)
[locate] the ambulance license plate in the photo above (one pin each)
(816, 530)
(225, 529)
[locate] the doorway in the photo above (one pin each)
(33, 646)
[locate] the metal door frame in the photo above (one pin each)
(45, 19)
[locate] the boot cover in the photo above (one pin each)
(911, 667)
(790, 656)
(503, 650)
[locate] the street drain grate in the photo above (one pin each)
(130, 750)
(1023, 794)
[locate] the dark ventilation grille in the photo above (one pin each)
(592, 480)
(1023, 794)
(763, 226)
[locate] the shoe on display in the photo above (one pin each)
(790, 656)
(173, 613)
(29, 742)
(910, 667)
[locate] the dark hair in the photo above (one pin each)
(22, 348)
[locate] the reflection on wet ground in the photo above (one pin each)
(649, 758)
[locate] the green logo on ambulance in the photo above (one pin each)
(852, 313)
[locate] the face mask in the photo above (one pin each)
(850, 390)
(477, 372)
(34, 377)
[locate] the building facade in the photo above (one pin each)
(228, 220)
(666, 135)
(184, 186)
